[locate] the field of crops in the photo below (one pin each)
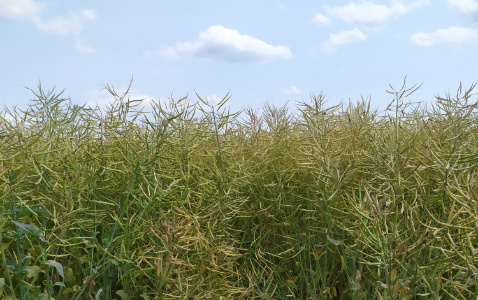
(191, 201)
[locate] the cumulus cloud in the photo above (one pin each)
(451, 35)
(465, 6)
(342, 38)
(224, 44)
(320, 19)
(31, 11)
(370, 14)
(292, 90)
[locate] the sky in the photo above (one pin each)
(278, 52)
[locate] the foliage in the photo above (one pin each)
(191, 201)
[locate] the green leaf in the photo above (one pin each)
(69, 277)
(26, 259)
(57, 266)
(59, 284)
(41, 236)
(335, 242)
(122, 294)
(31, 271)
(43, 296)
(28, 227)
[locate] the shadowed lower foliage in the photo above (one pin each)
(190, 201)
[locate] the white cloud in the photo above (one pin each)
(292, 90)
(320, 19)
(74, 23)
(88, 14)
(84, 48)
(213, 100)
(370, 14)
(451, 35)
(32, 11)
(21, 8)
(168, 52)
(465, 6)
(221, 43)
(9, 117)
(342, 38)
(103, 99)
(282, 7)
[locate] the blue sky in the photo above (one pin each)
(258, 51)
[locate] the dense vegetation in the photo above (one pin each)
(194, 202)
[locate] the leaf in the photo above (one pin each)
(335, 242)
(41, 236)
(122, 294)
(31, 271)
(69, 277)
(43, 296)
(26, 259)
(57, 266)
(12, 267)
(28, 227)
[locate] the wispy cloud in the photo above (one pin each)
(73, 23)
(32, 11)
(320, 19)
(24, 9)
(224, 44)
(341, 38)
(370, 14)
(465, 6)
(167, 52)
(451, 35)
(292, 90)
(82, 47)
